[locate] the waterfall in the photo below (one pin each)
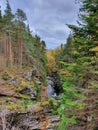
(50, 89)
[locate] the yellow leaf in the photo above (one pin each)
(95, 49)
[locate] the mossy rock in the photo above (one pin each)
(45, 103)
(16, 107)
(23, 84)
(23, 96)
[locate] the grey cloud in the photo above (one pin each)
(47, 18)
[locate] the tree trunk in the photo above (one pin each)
(10, 51)
(20, 52)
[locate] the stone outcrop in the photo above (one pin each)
(30, 92)
(21, 108)
(27, 121)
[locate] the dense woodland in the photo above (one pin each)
(17, 45)
(75, 63)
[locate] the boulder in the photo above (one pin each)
(28, 121)
(5, 91)
(30, 92)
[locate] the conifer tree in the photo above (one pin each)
(0, 16)
(0, 19)
(83, 71)
(0, 32)
(21, 17)
(8, 17)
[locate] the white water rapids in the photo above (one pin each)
(50, 89)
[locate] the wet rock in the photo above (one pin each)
(57, 85)
(49, 80)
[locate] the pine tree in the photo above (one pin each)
(0, 33)
(0, 17)
(8, 16)
(1, 26)
(85, 42)
(28, 30)
(21, 17)
(7, 30)
(81, 74)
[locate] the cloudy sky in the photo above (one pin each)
(48, 18)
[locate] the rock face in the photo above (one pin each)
(57, 85)
(27, 121)
(54, 84)
(14, 86)
(4, 91)
(30, 92)
(20, 107)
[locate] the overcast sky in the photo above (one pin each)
(47, 18)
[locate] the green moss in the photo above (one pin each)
(5, 76)
(44, 103)
(23, 84)
(23, 96)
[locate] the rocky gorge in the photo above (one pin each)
(25, 104)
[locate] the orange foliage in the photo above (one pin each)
(51, 61)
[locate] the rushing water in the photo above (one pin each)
(50, 89)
